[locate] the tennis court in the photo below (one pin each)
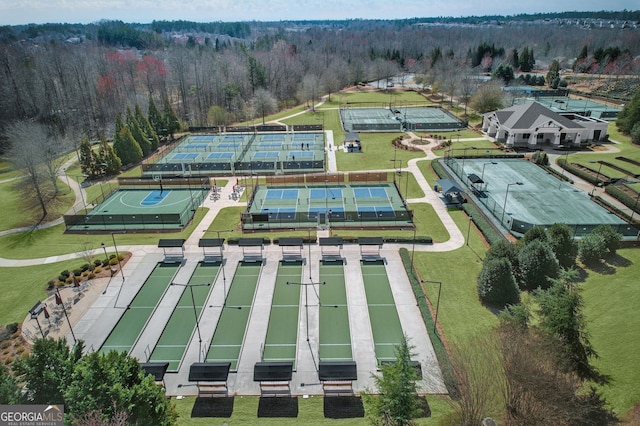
(245, 153)
(399, 119)
(181, 327)
(282, 332)
(135, 318)
(344, 205)
(153, 207)
(335, 337)
(385, 323)
(565, 104)
(521, 195)
(228, 338)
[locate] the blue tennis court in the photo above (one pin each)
(333, 212)
(370, 212)
(275, 137)
(280, 213)
(154, 198)
(372, 192)
(300, 154)
(202, 138)
(228, 138)
(266, 154)
(304, 137)
(303, 145)
(270, 145)
(198, 146)
(185, 156)
(321, 193)
(228, 145)
(220, 156)
(281, 194)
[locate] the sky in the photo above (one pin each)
(16, 12)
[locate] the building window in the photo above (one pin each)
(526, 135)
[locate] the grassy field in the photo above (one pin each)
(611, 302)
(52, 241)
(310, 412)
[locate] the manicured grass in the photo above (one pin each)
(458, 147)
(310, 412)
(21, 288)
(375, 99)
(377, 153)
(611, 302)
(52, 241)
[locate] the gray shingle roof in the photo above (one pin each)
(533, 114)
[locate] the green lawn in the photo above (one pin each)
(53, 241)
(611, 302)
(377, 153)
(457, 147)
(310, 412)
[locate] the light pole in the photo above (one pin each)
(35, 311)
(119, 267)
(60, 302)
(566, 160)
(505, 198)
(464, 156)
(469, 228)
(485, 165)
(597, 177)
(195, 312)
(435, 321)
(306, 298)
(106, 257)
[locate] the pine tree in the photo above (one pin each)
(108, 158)
(126, 147)
(145, 125)
(87, 158)
(170, 117)
(137, 133)
(156, 119)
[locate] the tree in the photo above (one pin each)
(156, 119)
(564, 246)
(397, 402)
(487, 98)
(87, 158)
(138, 134)
(635, 133)
(537, 264)
(109, 162)
(126, 147)
(28, 152)
(553, 75)
(533, 234)
(630, 114)
(9, 391)
(147, 129)
(169, 117)
(47, 370)
(560, 310)
(610, 236)
(114, 383)
(263, 103)
(503, 72)
(591, 248)
(496, 283)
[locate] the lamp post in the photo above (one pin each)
(59, 300)
(106, 257)
(566, 160)
(35, 311)
(464, 156)
(597, 177)
(505, 198)
(469, 228)
(195, 312)
(119, 267)
(435, 321)
(485, 165)
(306, 298)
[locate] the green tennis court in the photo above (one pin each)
(335, 338)
(226, 343)
(282, 332)
(135, 318)
(383, 315)
(181, 326)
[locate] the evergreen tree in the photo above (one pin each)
(146, 127)
(170, 118)
(553, 75)
(564, 246)
(9, 392)
(397, 402)
(497, 284)
(537, 264)
(126, 147)
(630, 114)
(87, 158)
(137, 133)
(110, 162)
(610, 236)
(156, 119)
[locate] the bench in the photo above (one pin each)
(214, 389)
(337, 388)
(274, 389)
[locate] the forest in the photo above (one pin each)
(77, 79)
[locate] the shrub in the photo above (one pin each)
(77, 272)
(496, 283)
(97, 270)
(97, 263)
(65, 274)
(85, 267)
(536, 264)
(610, 236)
(113, 261)
(91, 275)
(591, 249)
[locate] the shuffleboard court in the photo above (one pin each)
(181, 326)
(335, 337)
(282, 332)
(135, 318)
(228, 338)
(385, 322)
